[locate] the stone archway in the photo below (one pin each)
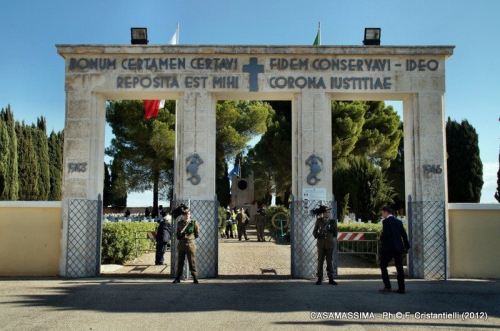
(197, 76)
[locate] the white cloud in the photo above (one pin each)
(490, 170)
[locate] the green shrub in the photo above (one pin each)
(118, 240)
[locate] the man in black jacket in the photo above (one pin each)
(162, 238)
(393, 248)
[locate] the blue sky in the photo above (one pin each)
(32, 73)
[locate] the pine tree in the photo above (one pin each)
(40, 143)
(55, 145)
(27, 164)
(465, 169)
(11, 180)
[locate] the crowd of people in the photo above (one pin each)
(237, 220)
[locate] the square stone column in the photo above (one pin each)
(312, 135)
(83, 168)
(195, 147)
(426, 183)
(312, 138)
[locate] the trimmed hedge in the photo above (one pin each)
(118, 240)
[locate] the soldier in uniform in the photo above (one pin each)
(186, 231)
(242, 219)
(324, 231)
(260, 221)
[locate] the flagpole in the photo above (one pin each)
(177, 34)
(319, 32)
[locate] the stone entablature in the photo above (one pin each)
(353, 69)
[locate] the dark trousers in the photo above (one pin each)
(229, 230)
(242, 231)
(160, 252)
(398, 261)
(322, 254)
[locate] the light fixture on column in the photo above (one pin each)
(139, 36)
(372, 36)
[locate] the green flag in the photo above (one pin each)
(317, 41)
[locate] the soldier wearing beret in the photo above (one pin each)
(186, 231)
(324, 231)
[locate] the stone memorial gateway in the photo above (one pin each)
(197, 76)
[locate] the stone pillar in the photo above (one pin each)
(195, 136)
(312, 135)
(83, 169)
(195, 174)
(426, 181)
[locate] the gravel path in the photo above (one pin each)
(247, 259)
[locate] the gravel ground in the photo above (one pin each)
(248, 259)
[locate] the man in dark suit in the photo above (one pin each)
(163, 234)
(393, 248)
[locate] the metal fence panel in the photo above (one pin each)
(205, 212)
(84, 238)
(304, 256)
(427, 235)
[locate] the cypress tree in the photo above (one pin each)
(118, 186)
(40, 143)
(11, 179)
(497, 193)
(55, 145)
(465, 169)
(4, 157)
(106, 198)
(28, 170)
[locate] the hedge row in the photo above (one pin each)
(118, 240)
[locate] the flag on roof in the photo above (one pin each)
(317, 41)
(151, 107)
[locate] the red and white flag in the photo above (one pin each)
(151, 107)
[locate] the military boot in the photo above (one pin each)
(319, 281)
(195, 280)
(177, 280)
(331, 281)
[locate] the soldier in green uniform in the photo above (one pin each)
(241, 219)
(324, 231)
(260, 221)
(186, 231)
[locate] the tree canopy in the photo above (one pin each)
(145, 148)
(237, 123)
(465, 169)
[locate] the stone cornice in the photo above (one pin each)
(65, 50)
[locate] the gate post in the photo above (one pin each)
(205, 212)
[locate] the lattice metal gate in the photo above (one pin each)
(427, 236)
(84, 238)
(205, 212)
(304, 254)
